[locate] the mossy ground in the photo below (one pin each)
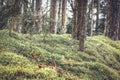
(55, 57)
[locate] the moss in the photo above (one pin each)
(55, 57)
(13, 66)
(93, 71)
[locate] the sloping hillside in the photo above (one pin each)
(55, 57)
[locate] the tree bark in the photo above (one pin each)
(64, 4)
(59, 25)
(82, 5)
(113, 19)
(74, 26)
(54, 16)
(38, 27)
(91, 26)
(97, 20)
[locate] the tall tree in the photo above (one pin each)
(60, 6)
(23, 16)
(38, 27)
(64, 4)
(59, 25)
(74, 25)
(92, 14)
(113, 19)
(53, 16)
(82, 5)
(97, 17)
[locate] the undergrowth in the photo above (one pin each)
(55, 57)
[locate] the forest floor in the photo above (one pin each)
(55, 57)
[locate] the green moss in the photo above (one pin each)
(13, 66)
(58, 56)
(92, 70)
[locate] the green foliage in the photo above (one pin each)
(55, 57)
(13, 66)
(92, 70)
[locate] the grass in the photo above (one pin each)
(55, 57)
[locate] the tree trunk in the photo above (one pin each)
(59, 25)
(92, 14)
(38, 27)
(82, 5)
(74, 26)
(97, 20)
(53, 16)
(60, 6)
(64, 4)
(113, 19)
(23, 13)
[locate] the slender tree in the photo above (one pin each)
(38, 27)
(74, 25)
(60, 7)
(97, 17)
(92, 14)
(64, 4)
(23, 16)
(59, 25)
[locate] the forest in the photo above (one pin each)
(59, 39)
